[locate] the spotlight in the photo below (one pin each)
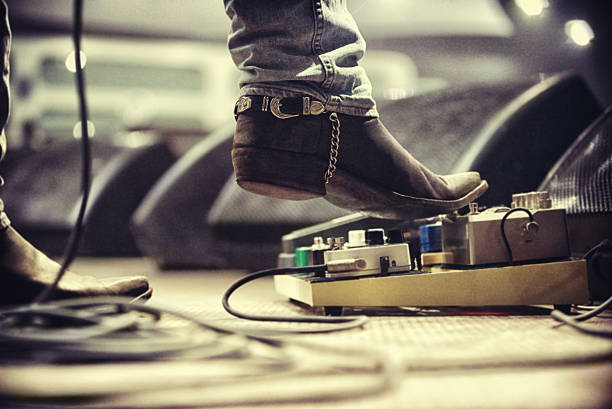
(532, 7)
(580, 32)
(70, 61)
(76, 131)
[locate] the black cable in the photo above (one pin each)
(503, 231)
(594, 311)
(77, 231)
(107, 329)
(576, 320)
(239, 360)
(344, 323)
(603, 243)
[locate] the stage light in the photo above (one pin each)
(580, 32)
(70, 61)
(532, 7)
(76, 131)
(397, 93)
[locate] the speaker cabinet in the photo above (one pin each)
(43, 191)
(170, 225)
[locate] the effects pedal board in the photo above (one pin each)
(496, 257)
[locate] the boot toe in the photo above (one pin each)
(460, 184)
(134, 286)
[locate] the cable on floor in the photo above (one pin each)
(341, 323)
(107, 329)
(576, 321)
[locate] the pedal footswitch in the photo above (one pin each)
(397, 256)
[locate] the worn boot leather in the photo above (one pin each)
(25, 271)
(288, 159)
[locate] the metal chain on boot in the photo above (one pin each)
(335, 145)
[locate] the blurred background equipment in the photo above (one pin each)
(171, 86)
(518, 145)
(456, 82)
(150, 100)
(581, 182)
(511, 133)
(43, 198)
(170, 225)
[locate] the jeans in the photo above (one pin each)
(289, 48)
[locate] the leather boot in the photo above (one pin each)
(25, 271)
(352, 161)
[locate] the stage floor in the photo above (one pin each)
(451, 358)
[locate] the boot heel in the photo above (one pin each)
(279, 174)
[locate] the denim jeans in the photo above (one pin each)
(288, 48)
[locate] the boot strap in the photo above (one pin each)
(282, 108)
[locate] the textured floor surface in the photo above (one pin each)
(517, 358)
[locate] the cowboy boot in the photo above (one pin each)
(291, 149)
(25, 272)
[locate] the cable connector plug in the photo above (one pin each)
(348, 264)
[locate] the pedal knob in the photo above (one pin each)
(375, 237)
(431, 238)
(356, 238)
(395, 236)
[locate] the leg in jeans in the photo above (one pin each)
(294, 48)
(24, 270)
(307, 125)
